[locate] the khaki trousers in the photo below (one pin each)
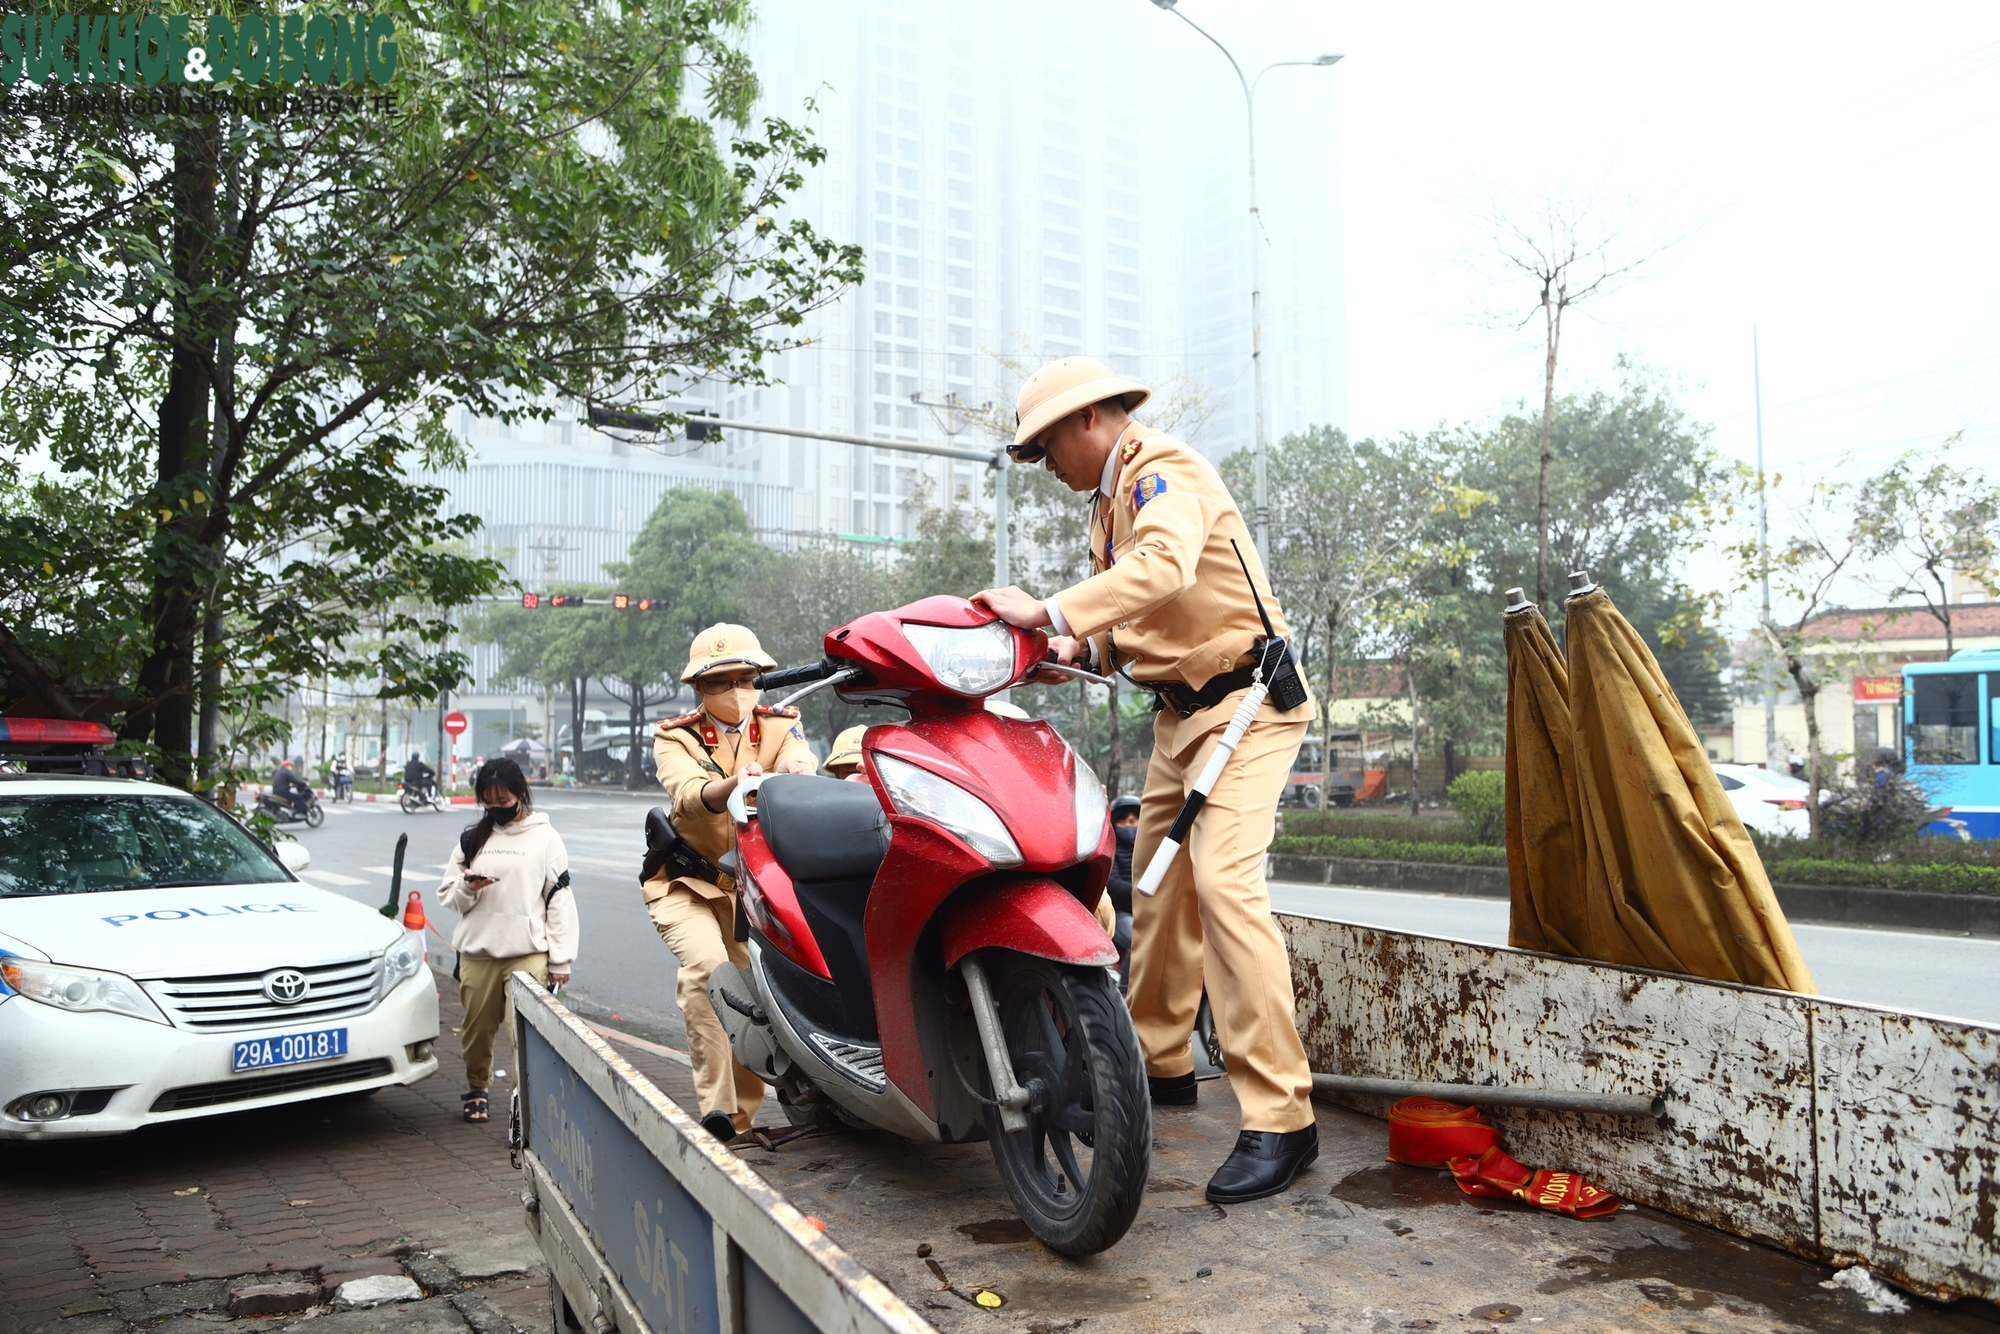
(701, 932)
(1212, 920)
(483, 991)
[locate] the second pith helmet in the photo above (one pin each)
(725, 645)
(1065, 386)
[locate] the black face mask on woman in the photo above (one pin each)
(502, 814)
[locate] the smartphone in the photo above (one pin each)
(478, 881)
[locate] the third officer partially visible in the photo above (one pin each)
(1170, 603)
(701, 757)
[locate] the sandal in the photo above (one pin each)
(475, 1105)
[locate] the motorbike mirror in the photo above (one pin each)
(741, 807)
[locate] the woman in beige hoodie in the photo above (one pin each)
(509, 884)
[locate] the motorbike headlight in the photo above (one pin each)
(973, 661)
(401, 961)
(79, 990)
(1090, 808)
(921, 793)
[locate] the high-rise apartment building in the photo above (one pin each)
(1027, 180)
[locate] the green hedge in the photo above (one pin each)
(1930, 877)
(1391, 828)
(1391, 850)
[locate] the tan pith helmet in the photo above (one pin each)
(725, 645)
(1067, 386)
(846, 752)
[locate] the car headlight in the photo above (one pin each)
(79, 990)
(1090, 808)
(921, 793)
(401, 961)
(976, 660)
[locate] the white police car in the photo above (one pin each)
(158, 963)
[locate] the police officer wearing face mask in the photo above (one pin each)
(701, 756)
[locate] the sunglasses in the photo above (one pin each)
(721, 685)
(1031, 452)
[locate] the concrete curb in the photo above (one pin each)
(1846, 905)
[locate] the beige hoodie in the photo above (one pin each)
(507, 918)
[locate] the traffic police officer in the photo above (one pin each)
(700, 757)
(1169, 603)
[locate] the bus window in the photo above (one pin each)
(1993, 734)
(1946, 726)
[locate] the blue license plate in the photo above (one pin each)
(322, 1044)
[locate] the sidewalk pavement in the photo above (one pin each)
(106, 1236)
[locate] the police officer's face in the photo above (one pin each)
(729, 695)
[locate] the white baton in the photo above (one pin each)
(1232, 736)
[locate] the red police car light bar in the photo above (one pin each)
(54, 731)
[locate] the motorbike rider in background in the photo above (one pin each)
(286, 785)
(1124, 828)
(418, 777)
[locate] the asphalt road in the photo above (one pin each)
(625, 976)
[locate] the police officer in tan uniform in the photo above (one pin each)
(1169, 603)
(700, 757)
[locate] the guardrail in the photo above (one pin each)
(651, 1226)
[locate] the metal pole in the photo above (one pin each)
(1772, 762)
(1262, 499)
(1608, 1104)
(1002, 514)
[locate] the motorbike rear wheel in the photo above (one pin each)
(1078, 1172)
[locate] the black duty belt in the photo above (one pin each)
(1287, 691)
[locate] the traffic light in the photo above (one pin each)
(565, 599)
(699, 430)
(530, 601)
(647, 604)
(621, 601)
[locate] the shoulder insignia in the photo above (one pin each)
(773, 711)
(682, 721)
(1129, 449)
(1147, 487)
(708, 736)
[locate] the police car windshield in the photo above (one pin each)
(94, 844)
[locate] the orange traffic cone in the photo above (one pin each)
(413, 912)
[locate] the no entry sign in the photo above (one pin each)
(454, 723)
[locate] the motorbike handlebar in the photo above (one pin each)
(797, 676)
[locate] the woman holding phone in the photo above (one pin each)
(509, 884)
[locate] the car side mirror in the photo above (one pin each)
(295, 856)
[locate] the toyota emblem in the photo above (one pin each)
(286, 986)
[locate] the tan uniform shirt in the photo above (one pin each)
(694, 750)
(1167, 592)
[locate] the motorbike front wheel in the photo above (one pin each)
(1078, 1172)
(315, 817)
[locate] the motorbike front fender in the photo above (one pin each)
(1030, 916)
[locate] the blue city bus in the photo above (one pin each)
(1951, 736)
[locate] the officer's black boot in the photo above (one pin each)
(1264, 1163)
(1172, 1090)
(721, 1125)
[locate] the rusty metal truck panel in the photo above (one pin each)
(1842, 1132)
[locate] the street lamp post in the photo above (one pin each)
(1261, 502)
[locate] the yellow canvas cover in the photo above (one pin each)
(1668, 877)
(1542, 860)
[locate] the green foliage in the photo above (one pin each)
(1925, 877)
(231, 342)
(1480, 798)
(1391, 850)
(1873, 810)
(1395, 828)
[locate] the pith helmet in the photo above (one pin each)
(846, 752)
(725, 645)
(1066, 386)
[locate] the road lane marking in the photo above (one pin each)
(641, 1043)
(334, 877)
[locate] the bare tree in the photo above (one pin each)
(1576, 248)
(1926, 521)
(1828, 540)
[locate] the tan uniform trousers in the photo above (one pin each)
(702, 933)
(489, 1002)
(1212, 920)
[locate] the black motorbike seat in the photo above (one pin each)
(822, 830)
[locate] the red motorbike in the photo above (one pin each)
(923, 953)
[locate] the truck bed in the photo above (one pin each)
(1356, 1244)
